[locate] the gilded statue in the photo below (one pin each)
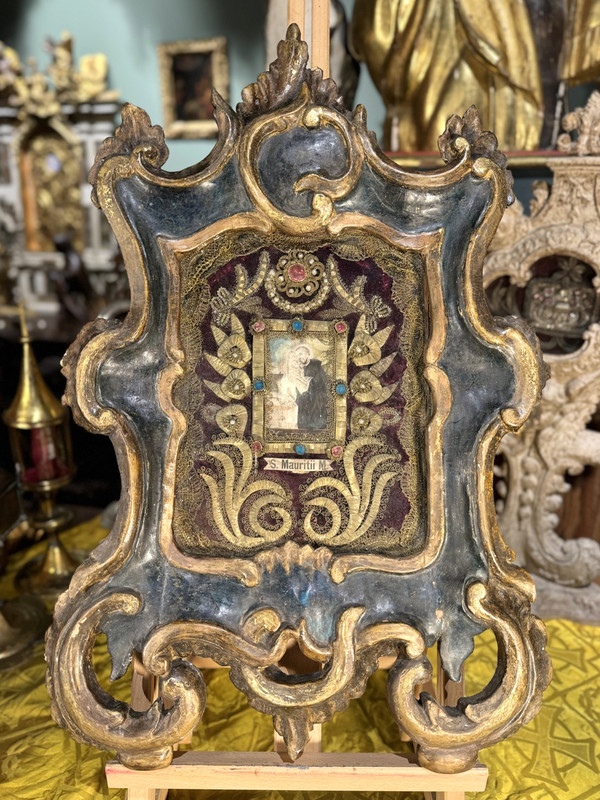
(40, 93)
(513, 59)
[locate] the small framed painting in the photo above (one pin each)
(190, 70)
(299, 385)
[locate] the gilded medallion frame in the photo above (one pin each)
(300, 334)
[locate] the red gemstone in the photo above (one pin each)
(336, 451)
(297, 272)
(340, 327)
(256, 447)
(259, 326)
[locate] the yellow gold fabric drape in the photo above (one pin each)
(555, 756)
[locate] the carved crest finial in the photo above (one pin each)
(481, 143)
(283, 81)
(585, 122)
(135, 132)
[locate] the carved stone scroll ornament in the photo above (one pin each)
(545, 268)
(305, 401)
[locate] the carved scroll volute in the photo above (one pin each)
(167, 603)
(142, 740)
(449, 739)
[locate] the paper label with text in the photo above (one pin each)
(298, 464)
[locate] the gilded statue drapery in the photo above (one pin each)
(431, 58)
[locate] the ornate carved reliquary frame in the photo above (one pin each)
(305, 400)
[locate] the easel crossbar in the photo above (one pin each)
(312, 771)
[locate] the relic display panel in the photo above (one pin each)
(334, 380)
(305, 400)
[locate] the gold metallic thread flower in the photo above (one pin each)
(236, 385)
(232, 419)
(365, 421)
(366, 347)
(234, 351)
(367, 388)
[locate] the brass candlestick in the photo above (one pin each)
(41, 446)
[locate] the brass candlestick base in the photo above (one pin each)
(22, 624)
(51, 520)
(49, 574)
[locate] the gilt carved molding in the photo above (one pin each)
(305, 438)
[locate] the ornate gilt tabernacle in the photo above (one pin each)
(306, 400)
(52, 122)
(545, 267)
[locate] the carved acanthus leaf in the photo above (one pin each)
(482, 144)
(293, 555)
(135, 132)
(283, 81)
(514, 225)
(585, 122)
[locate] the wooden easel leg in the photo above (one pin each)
(447, 693)
(144, 686)
(449, 795)
(147, 794)
(144, 691)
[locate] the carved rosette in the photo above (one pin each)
(189, 386)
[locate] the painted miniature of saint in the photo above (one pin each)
(292, 383)
(312, 404)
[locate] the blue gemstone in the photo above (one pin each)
(297, 325)
(300, 449)
(340, 389)
(259, 385)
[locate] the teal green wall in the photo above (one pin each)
(367, 94)
(128, 31)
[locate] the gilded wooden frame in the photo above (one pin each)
(458, 583)
(176, 128)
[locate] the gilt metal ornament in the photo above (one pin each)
(305, 399)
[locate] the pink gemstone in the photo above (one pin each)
(259, 326)
(297, 272)
(336, 451)
(256, 447)
(340, 327)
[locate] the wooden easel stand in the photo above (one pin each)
(361, 772)
(313, 771)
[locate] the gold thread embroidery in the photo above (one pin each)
(230, 494)
(401, 267)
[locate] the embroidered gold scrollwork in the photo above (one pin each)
(234, 491)
(224, 300)
(373, 309)
(325, 190)
(362, 496)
